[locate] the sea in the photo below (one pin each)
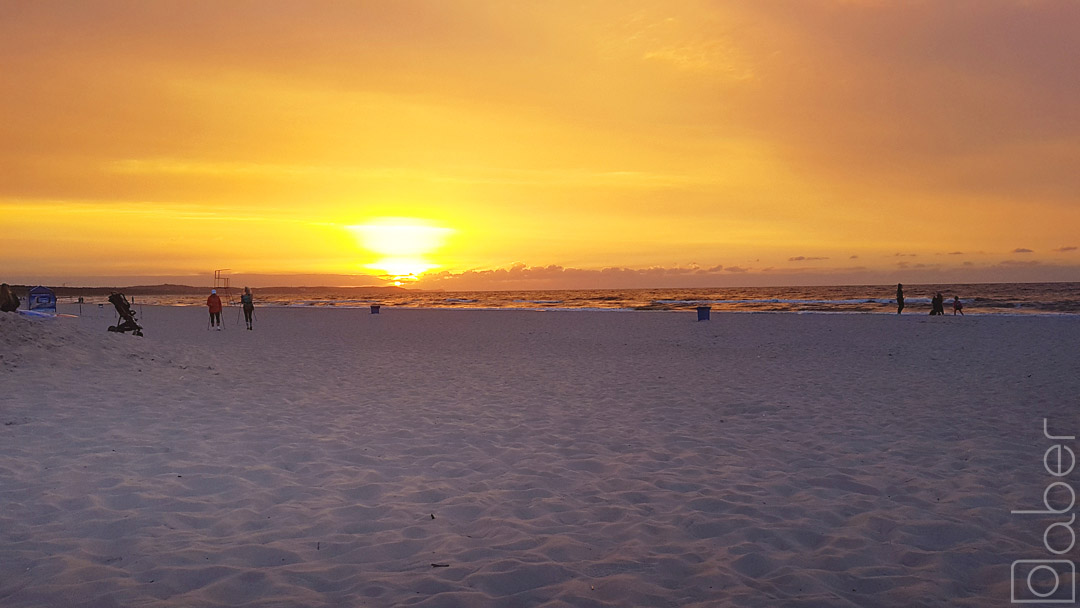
(979, 298)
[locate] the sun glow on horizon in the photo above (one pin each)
(402, 244)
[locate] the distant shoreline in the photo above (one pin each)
(1005, 298)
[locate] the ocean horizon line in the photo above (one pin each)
(395, 288)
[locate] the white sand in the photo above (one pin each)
(569, 458)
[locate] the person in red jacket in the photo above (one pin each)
(214, 304)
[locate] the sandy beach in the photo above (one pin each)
(517, 458)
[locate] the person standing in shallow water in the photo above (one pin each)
(957, 306)
(214, 304)
(899, 298)
(249, 306)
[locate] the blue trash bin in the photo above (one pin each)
(374, 309)
(703, 313)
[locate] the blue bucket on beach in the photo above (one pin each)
(374, 309)
(703, 313)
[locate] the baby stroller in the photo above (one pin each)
(126, 315)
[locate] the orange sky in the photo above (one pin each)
(545, 144)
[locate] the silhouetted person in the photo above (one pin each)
(899, 298)
(937, 304)
(957, 306)
(249, 306)
(214, 304)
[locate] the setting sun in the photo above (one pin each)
(402, 245)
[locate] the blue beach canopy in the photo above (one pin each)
(42, 299)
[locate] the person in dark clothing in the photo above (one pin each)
(249, 306)
(937, 304)
(899, 298)
(214, 304)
